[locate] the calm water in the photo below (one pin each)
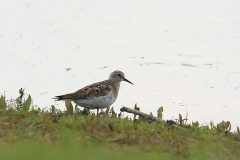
(182, 55)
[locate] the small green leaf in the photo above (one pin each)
(69, 107)
(53, 108)
(68, 69)
(151, 114)
(180, 120)
(112, 112)
(86, 111)
(159, 111)
(230, 127)
(136, 108)
(227, 124)
(27, 103)
(21, 92)
(195, 124)
(107, 111)
(3, 104)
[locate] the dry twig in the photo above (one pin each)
(150, 117)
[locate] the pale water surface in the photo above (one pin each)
(182, 55)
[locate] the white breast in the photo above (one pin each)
(97, 102)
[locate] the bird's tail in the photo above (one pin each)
(64, 97)
(59, 98)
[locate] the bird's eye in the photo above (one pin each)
(119, 75)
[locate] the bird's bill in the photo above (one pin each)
(128, 81)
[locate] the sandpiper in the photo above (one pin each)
(97, 95)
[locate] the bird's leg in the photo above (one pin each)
(97, 111)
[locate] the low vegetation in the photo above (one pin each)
(28, 132)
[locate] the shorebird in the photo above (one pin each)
(97, 95)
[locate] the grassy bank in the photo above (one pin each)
(31, 133)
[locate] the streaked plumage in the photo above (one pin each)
(97, 95)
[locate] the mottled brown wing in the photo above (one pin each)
(93, 90)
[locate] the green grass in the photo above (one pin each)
(34, 134)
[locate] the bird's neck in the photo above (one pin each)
(117, 85)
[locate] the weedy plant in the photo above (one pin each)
(28, 132)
